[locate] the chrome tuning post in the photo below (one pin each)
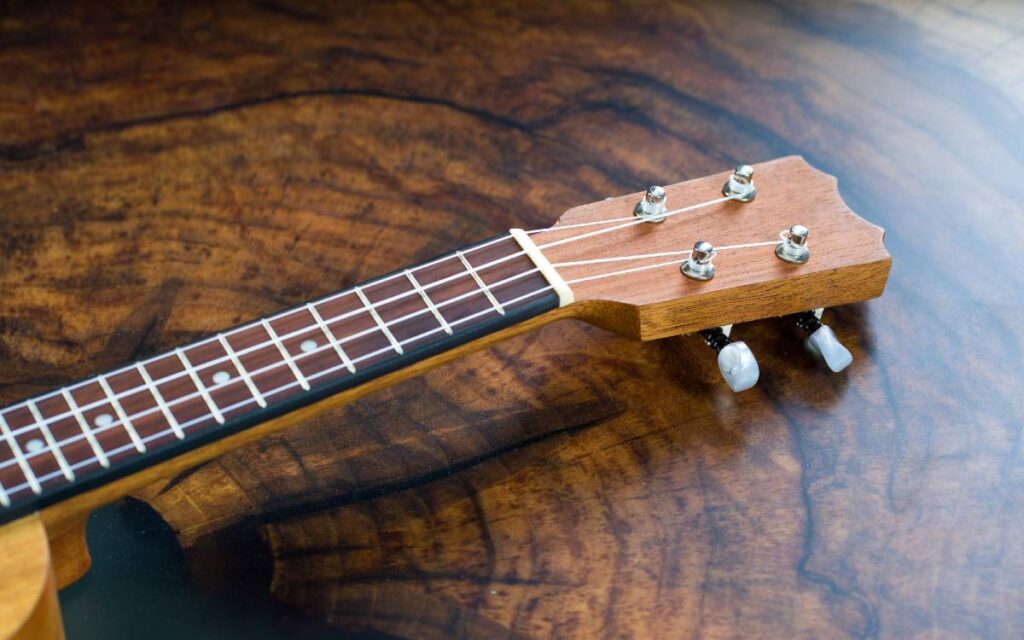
(793, 248)
(735, 359)
(699, 266)
(822, 341)
(740, 185)
(651, 207)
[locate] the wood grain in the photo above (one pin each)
(850, 263)
(28, 590)
(168, 171)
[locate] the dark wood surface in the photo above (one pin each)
(167, 171)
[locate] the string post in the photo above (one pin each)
(699, 266)
(793, 248)
(740, 185)
(651, 207)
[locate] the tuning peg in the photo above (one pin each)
(735, 359)
(699, 266)
(793, 247)
(651, 207)
(822, 341)
(740, 184)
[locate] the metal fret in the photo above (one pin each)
(214, 409)
(330, 338)
(101, 455)
(284, 354)
(380, 323)
(172, 422)
(480, 283)
(246, 378)
(58, 455)
(140, 446)
(26, 470)
(430, 305)
(4, 500)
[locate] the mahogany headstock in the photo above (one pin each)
(848, 260)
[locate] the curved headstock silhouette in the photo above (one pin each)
(623, 274)
(848, 263)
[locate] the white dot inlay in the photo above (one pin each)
(308, 345)
(103, 420)
(221, 377)
(33, 445)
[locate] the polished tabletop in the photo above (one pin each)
(169, 170)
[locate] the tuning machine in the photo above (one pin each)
(651, 207)
(740, 185)
(793, 248)
(699, 265)
(735, 359)
(822, 341)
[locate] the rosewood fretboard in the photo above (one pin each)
(71, 439)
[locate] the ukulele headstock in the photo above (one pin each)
(629, 279)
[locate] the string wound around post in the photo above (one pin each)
(793, 248)
(699, 266)
(651, 207)
(740, 185)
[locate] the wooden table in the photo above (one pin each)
(168, 171)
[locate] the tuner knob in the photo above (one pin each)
(740, 185)
(651, 207)
(822, 341)
(735, 359)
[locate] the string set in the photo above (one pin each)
(9, 435)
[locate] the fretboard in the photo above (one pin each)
(72, 439)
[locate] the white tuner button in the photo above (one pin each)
(735, 359)
(824, 343)
(738, 366)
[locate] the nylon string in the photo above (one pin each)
(630, 222)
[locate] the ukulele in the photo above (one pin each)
(695, 257)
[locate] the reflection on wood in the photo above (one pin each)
(181, 171)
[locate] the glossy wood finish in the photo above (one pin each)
(849, 262)
(505, 296)
(28, 590)
(240, 377)
(225, 163)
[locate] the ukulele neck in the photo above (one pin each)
(66, 441)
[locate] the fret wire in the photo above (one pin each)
(26, 470)
(172, 422)
(115, 403)
(333, 296)
(101, 456)
(287, 356)
(4, 500)
(214, 410)
(58, 455)
(284, 313)
(242, 373)
(380, 323)
(346, 339)
(351, 337)
(330, 337)
(427, 301)
(480, 283)
(242, 403)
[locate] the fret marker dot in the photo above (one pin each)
(221, 377)
(308, 345)
(103, 420)
(33, 445)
